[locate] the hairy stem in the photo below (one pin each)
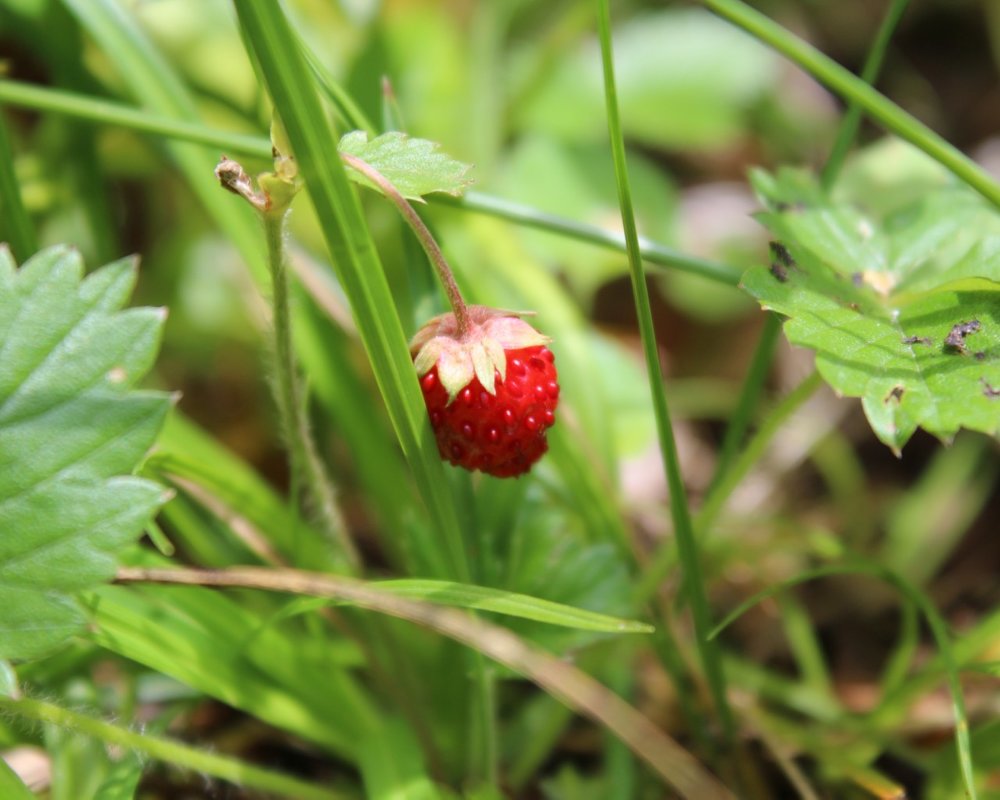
(423, 234)
(306, 466)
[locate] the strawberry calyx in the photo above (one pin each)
(477, 352)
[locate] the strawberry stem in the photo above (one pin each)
(425, 237)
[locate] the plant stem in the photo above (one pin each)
(223, 767)
(662, 559)
(852, 118)
(683, 530)
(423, 234)
(879, 108)
(749, 398)
(110, 113)
(306, 466)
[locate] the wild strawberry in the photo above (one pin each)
(491, 391)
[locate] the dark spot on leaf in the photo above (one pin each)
(896, 394)
(980, 356)
(858, 279)
(918, 340)
(989, 391)
(780, 254)
(781, 205)
(955, 339)
(778, 271)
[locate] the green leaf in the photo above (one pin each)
(71, 430)
(414, 166)
(11, 786)
(878, 296)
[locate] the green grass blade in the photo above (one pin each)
(937, 625)
(683, 528)
(219, 766)
(652, 252)
(290, 84)
(108, 112)
(516, 605)
(869, 72)
(569, 684)
(855, 90)
(11, 786)
(79, 106)
(15, 226)
(753, 387)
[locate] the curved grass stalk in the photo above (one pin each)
(568, 684)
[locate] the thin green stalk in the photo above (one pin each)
(852, 118)
(937, 625)
(755, 448)
(73, 104)
(753, 387)
(663, 558)
(306, 466)
(652, 252)
(15, 225)
(284, 72)
(110, 113)
(228, 769)
(764, 354)
(852, 88)
(683, 530)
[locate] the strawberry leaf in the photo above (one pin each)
(414, 166)
(902, 306)
(71, 430)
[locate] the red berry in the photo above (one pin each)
(491, 393)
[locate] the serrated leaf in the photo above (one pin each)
(71, 430)
(879, 296)
(414, 166)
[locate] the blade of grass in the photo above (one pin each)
(229, 769)
(663, 558)
(575, 688)
(111, 113)
(855, 90)
(683, 529)
(15, 225)
(764, 353)
(652, 252)
(290, 85)
(753, 387)
(869, 72)
(499, 601)
(937, 625)
(108, 112)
